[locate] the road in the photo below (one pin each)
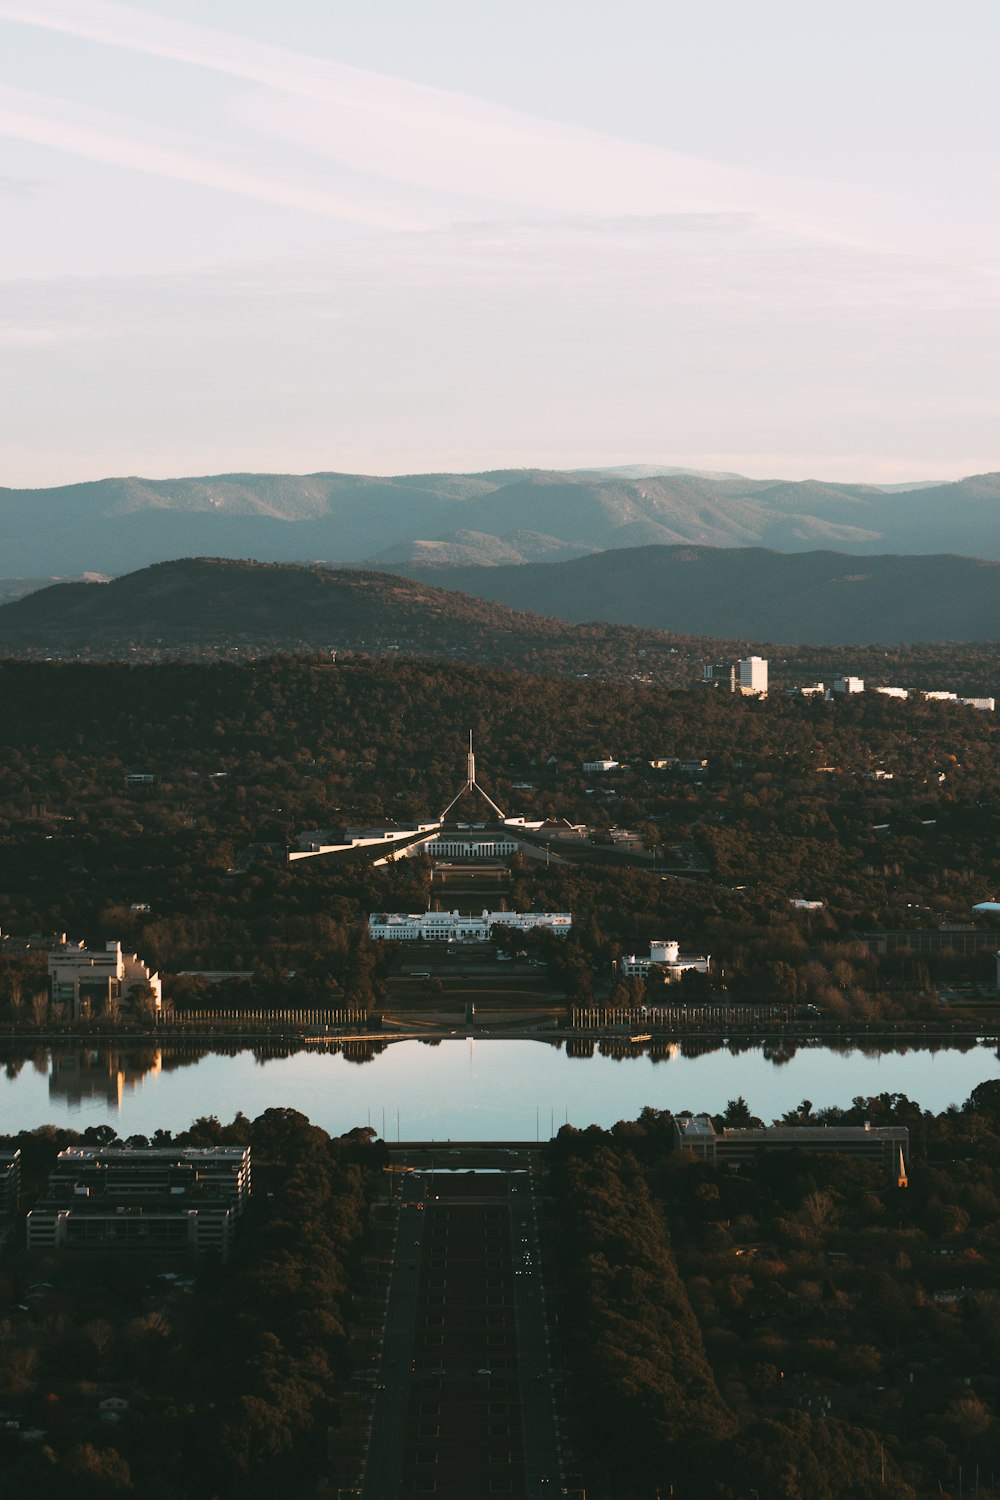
(465, 1399)
(537, 1374)
(385, 1449)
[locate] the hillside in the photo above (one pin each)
(119, 525)
(212, 606)
(819, 598)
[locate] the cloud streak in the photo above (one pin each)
(440, 141)
(112, 140)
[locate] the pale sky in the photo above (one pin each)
(459, 234)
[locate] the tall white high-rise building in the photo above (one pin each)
(753, 675)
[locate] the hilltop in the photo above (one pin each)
(215, 606)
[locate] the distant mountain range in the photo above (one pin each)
(508, 615)
(500, 518)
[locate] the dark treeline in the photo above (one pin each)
(636, 1345)
(230, 1378)
(838, 1333)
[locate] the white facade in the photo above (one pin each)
(497, 845)
(79, 975)
(848, 684)
(753, 675)
(600, 765)
(667, 956)
(892, 692)
(452, 927)
(987, 704)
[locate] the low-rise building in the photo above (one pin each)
(887, 1144)
(174, 1200)
(82, 977)
(665, 955)
(848, 685)
(453, 927)
(600, 765)
(720, 674)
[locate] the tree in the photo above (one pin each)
(97, 1471)
(738, 1115)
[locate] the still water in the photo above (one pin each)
(461, 1089)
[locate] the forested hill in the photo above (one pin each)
(208, 606)
(816, 598)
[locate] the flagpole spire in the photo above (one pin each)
(470, 784)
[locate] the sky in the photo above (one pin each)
(400, 237)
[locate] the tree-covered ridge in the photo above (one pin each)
(640, 1363)
(826, 597)
(230, 1379)
(849, 1325)
(212, 607)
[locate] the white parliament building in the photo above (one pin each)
(453, 927)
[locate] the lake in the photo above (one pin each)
(462, 1089)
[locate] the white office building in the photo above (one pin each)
(453, 927)
(753, 676)
(665, 955)
(848, 685)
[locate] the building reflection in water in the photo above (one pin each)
(106, 1073)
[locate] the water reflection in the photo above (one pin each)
(97, 1072)
(489, 1089)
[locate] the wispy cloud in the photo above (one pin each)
(108, 138)
(442, 141)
